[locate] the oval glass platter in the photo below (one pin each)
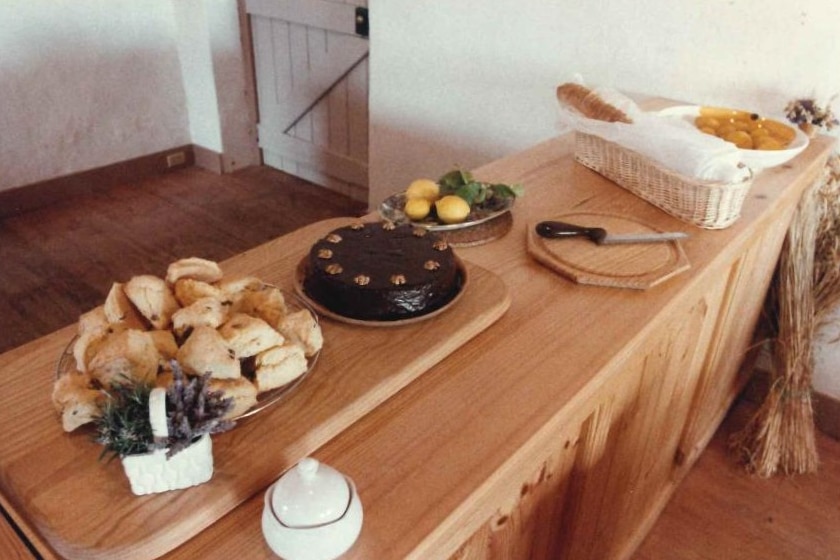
(392, 209)
(67, 364)
(300, 273)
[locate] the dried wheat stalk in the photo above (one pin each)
(781, 436)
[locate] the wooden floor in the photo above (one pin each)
(721, 513)
(61, 260)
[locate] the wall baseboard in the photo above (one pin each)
(18, 200)
(208, 159)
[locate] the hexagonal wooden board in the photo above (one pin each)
(639, 265)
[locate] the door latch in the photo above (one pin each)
(362, 26)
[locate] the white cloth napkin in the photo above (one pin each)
(670, 141)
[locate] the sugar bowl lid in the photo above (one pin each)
(310, 494)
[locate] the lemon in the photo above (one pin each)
(423, 188)
(452, 209)
(417, 208)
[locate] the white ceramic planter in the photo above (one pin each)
(153, 472)
(150, 473)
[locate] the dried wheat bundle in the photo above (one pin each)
(781, 437)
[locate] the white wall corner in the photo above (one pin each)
(221, 114)
(826, 375)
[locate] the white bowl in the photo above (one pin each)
(754, 159)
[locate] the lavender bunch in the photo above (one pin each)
(193, 410)
(806, 113)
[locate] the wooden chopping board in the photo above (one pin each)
(55, 483)
(639, 266)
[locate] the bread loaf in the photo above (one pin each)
(589, 104)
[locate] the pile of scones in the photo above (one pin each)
(238, 329)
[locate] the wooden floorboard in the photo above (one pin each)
(719, 512)
(60, 261)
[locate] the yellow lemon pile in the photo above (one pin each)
(452, 209)
(422, 194)
(423, 188)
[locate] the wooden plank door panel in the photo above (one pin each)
(312, 73)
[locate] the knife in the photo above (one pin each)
(559, 230)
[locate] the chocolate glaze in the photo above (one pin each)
(381, 272)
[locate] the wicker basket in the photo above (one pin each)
(707, 205)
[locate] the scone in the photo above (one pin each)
(86, 346)
(233, 286)
(205, 351)
(195, 268)
(152, 298)
(302, 327)
(75, 400)
(119, 309)
(242, 391)
(248, 336)
(267, 303)
(165, 343)
(125, 356)
(164, 379)
(205, 312)
(93, 320)
(278, 366)
(188, 291)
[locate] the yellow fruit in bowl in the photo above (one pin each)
(423, 188)
(417, 208)
(740, 138)
(452, 209)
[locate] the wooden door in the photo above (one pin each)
(311, 69)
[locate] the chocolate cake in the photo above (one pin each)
(381, 272)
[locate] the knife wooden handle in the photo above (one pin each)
(554, 230)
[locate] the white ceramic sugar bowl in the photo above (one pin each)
(312, 512)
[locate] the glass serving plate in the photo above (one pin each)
(392, 209)
(67, 364)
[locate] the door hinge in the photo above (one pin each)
(362, 22)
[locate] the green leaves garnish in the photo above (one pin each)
(463, 184)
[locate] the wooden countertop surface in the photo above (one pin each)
(83, 508)
(426, 461)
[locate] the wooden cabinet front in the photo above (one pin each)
(561, 430)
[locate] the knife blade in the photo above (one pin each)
(560, 230)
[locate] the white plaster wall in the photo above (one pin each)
(196, 58)
(467, 82)
(214, 73)
(827, 357)
(85, 83)
(234, 92)
(464, 83)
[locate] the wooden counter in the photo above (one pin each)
(561, 430)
